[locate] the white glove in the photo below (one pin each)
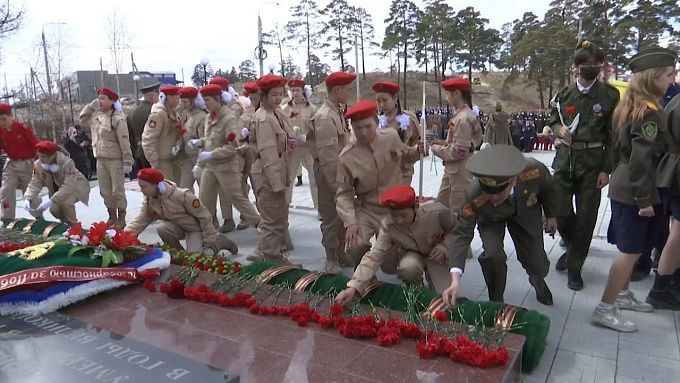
(204, 156)
(44, 205)
(484, 146)
(196, 143)
(127, 169)
(196, 171)
(175, 150)
(298, 134)
(27, 204)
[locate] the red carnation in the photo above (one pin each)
(124, 239)
(441, 316)
(427, 350)
(76, 229)
(231, 137)
(97, 232)
(337, 310)
(570, 110)
(325, 322)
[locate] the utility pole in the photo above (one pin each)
(101, 71)
(356, 67)
(260, 52)
(47, 65)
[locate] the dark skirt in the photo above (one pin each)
(632, 233)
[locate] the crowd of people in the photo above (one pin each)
(360, 162)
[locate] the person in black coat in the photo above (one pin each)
(76, 149)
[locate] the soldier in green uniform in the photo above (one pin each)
(511, 192)
(498, 130)
(582, 118)
(642, 139)
(136, 121)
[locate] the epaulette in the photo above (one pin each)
(480, 200)
(530, 175)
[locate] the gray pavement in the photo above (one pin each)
(576, 351)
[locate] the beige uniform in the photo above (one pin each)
(184, 217)
(194, 124)
(270, 133)
(111, 147)
(433, 225)
(464, 135)
(65, 187)
(250, 154)
(161, 133)
(328, 136)
(364, 173)
(223, 171)
(410, 136)
(225, 202)
(301, 117)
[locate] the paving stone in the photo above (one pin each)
(647, 368)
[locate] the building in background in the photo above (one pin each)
(83, 84)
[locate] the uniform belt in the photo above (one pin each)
(578, 145)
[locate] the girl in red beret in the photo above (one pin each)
(220, 162)
(272, 135)
(111, 147)
(391, 116)
(192, 120)
(301, 111)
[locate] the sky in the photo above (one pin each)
(173, 35)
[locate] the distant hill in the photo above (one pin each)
(518, 96)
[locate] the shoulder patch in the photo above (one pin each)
(650, 130)
(530, 175)
(469, 211)
(196, 203)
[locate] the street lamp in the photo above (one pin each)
(136, 79)
(447, 73)
(271, 68)
(261, 54)
(70, 100)
(204, 62)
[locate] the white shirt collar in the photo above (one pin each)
(582, 88)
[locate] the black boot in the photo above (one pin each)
(543, 294)
(299, 183)
(561, 264)
(661, 295)
(575, 281)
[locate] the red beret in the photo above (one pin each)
(188, 92)
(211, 90)
(170, 90)
(150, 175)
(270, 81)
(296, 83)
(251, 87)
(456, 83)
(5, 108)
(221, 81)
(113, 96)
(398, 197)
(386, 87)
(46, 147)
(340, 78)
(362, 109)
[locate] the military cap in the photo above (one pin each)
(188, 92)
(113, 96)
(296, 83)
(398, 197)
(270, 81)
(456, 83)
(495, 166)
(340, 78)
(170, 90)
(5, 108)
(151, 88)
(652, 58)
(386, 87)
(362, 109)
(211, 90)
(150, 175)
(46, 147)
(221, 81)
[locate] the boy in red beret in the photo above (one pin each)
(65, 185)
(423, 235)
(327, 136)
(18, 141)
(183, 216)
(193, 121)
(369, 164)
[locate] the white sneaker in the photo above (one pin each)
(626, 300)
(612, 319)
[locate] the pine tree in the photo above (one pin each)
(318, 70)
(365, 35)
(339, 18)
(246, 71)
(304, 28)
(478, 44)
(402, 23)
(200, 76)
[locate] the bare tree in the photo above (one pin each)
(10, 18)
(118, 42)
